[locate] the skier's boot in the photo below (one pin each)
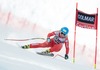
(25, 46)
(47, 52)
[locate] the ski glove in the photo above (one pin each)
(66, 56)
(48, 39)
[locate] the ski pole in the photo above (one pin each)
(58, 55)
(24, 39)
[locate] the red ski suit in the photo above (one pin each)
(55, 44)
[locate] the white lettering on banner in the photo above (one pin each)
(86, 18)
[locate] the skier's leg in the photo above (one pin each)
(56, 48)
(39, 45)
(36, 45)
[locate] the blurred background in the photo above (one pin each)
(36, 18)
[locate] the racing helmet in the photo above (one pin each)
(64, 30)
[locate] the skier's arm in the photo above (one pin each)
(50, 34)
(67, 48)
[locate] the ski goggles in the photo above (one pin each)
(63, 33)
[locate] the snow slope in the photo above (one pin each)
(12, 57)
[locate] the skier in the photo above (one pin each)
(55, 43)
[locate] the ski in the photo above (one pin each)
(45, 54)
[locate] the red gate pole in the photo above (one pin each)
(95, 58)
(75, 34)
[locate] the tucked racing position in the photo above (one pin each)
(54, 42)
